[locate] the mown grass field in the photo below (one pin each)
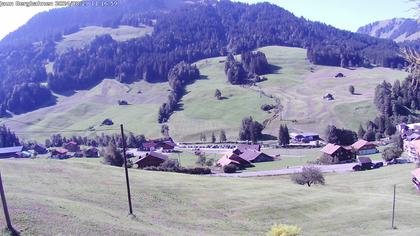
(83, 197)
(86, 35)
(298, 89)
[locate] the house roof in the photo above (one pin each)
(364, 160)
(250, 155)
(416, 173)
(243, 147)
(153, 154)
(330, 148)
(170, 143)
(7, 150)
(224, 161)
(361, 143)
(235, 157)
(158, 155)
(61, 150)
(149, 144)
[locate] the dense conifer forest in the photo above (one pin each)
(181, 33)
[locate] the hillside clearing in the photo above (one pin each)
(89, 198)
(87, 34)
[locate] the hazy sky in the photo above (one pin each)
(344, 14)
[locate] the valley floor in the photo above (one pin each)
(84, 197)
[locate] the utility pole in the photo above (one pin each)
(5, 209)
(393, 209)
(126, 171)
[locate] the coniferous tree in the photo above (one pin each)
(222, 137)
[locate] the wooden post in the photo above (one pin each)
(127, 180)
(5, 209)
(393, 209)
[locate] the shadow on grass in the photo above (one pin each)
(267, 137)
(273, 69)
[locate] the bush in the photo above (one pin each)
(391, 153)
(170, 164)
(201, 159)
(230, 168)
(284, 230)
(210, 162)
(173, 166)
(112, 156)
(325, 160)
(309, 176)
(267, 107)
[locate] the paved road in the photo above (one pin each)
(324, 168)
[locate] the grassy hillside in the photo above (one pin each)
(83, 37)
(89, 108)
(301, 91)
(298, 84)
(83, 197)
(202, 112)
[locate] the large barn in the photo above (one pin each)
(9, 152)
(151, 159)
(339, 153)
(363, 147)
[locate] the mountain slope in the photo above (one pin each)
(300, 92)
(397, 29)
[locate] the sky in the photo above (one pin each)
(343, 14)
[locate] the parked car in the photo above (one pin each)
(359, 167)
(377, 165)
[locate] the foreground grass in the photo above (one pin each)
(78, 197)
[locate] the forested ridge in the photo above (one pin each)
(180, 34)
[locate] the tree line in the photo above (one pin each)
(179, 76)
(187, 34)
(8, 138)
(252, 65)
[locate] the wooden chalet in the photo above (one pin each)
(149, 146)
(151, 159)
(60, 153)
(9, 152)
(339, 153)
(167, 146)
(363, 147)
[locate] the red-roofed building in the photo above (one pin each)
(224, 161)
(363, 147)
(60, 153)
(151, 159)
(253, 156)
(167, 146)
(149, 146)
(339, 153)
(242, 162)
